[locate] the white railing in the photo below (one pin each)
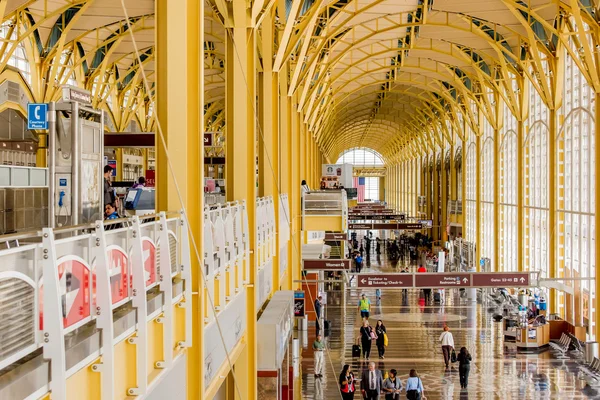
(57, 281)
(226, 267)
(71, 277)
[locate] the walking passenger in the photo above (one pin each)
(365, 339)
(381, 332)
(464, 366)
(447, 345)
(318, 347)
(347, 383)
(304, 187)
(427, 292)
(371, 383)
(364, 306)
(318, 305)
(414, 386)
(359, 261)
(392, 386)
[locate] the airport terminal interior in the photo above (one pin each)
(299, 199)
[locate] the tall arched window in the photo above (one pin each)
(361, 156)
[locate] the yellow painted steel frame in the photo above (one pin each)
(242, 179)
(180, 110)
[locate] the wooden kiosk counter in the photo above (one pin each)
(533, 336)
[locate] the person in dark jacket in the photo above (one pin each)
(318, 306)
(380, 331)
(347, 384)
(366, 338)
(109, 192)
(464, 366)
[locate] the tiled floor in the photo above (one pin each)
(498, 371)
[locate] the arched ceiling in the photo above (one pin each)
(89, 41)
(378, 73)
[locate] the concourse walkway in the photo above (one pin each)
(497, 370)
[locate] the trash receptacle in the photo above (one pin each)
(303, 324)
(591, 351)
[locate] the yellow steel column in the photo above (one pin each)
(295, 195)
(435, 232)
(552, 226)
(417, 190)
(392, 182)
(428, 180)
(119, 160)
(180, 98)
(270, 126)
(397, 186)
(463, 178)
(241, 142)
(284, 160)
(444, 213)
(313, 158)
(478, 230)
(497, 231)
(404, 183)
(42, 151)
(524, 110)
(597, 216)
(520, 196)
(303, 161)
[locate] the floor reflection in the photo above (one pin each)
(498, 371)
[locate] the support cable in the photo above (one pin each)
(261, 134)
(180, 197)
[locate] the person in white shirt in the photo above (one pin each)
(304, 187)
(371, 383)
(447, 345)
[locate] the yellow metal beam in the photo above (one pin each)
(241, 155)
(180, 111)
(285, 38)
(269, 102)
(597, 216)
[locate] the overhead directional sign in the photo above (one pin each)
(381, 217)
(385, 281)
(336, 236)
(326, 265)
(37, 116)
(438, 280)
(500, 279)
(385, 226)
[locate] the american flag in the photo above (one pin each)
(359, 184)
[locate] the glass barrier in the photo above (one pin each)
(325, 203)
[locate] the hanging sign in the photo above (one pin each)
(208, 139)
(326, 265)
(385, 280)
(333, 236)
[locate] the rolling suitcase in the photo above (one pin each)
(355, 350)
(437, 298)
(327, 325)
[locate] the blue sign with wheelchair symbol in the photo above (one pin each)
(37, 116)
